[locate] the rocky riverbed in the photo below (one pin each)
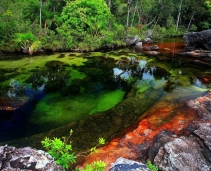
(172, 146)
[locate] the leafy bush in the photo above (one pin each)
(95, 166)
(132, 31)
(50, 41)
(24, 40)
(158, 32)
(86, 25)
(61, 151)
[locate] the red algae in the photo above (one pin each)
(158, 118)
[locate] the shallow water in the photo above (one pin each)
(55, 90)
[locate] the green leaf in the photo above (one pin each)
(101, 141)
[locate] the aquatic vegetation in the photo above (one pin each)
(143, 85)
(107, 101)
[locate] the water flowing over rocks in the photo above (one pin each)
(28, 159)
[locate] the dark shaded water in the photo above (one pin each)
(40, 93)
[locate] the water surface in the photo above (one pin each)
(41, 93)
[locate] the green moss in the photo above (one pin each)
(75, 74)
(39, 61)
(95, 54)
(26, 66)
(59, 110)
(55, 110)
(108, 100)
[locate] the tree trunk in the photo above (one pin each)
(178, 17)
(134, 13)
(190, 20)
(109, 4)
(128, 11)
(40, 16)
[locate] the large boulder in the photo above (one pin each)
(198, 39)
(22, 159)
(181, 154)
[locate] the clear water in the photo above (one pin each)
(58, 89)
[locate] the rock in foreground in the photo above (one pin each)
(26, 159)
(182, 153)
(123, 164)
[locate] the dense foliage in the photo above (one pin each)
(88, 25)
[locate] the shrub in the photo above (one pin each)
(61, 151)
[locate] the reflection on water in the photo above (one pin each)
(198, 83)
(142, 64)
(120, 73)
(64, 90)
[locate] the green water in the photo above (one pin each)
(98, 94)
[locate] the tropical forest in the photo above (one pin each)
(89, 25)
(105, 85)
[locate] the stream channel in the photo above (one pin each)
(97, 94)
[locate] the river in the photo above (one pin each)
(97, 94)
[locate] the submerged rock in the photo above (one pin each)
(152, 53)
(20, 159)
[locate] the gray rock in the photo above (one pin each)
(132, 40)
(158, 141)
(139, 46)
(204, 132)
(198, 39)
(181, 154)
(155, 47)
(123, 164)
(26, 159)
(147, 40)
